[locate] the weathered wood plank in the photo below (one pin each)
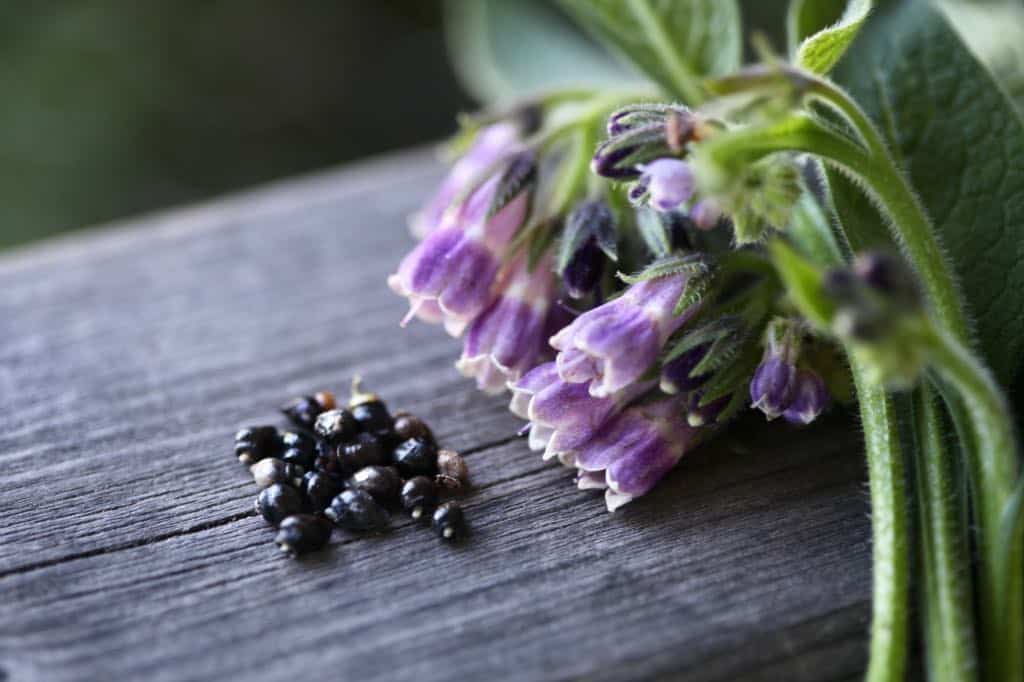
(129, 550)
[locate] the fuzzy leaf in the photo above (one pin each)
(962, 144)
(676, 43)
(655, 232)
(820, 31)
(804, 283)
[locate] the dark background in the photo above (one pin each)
(112, 108)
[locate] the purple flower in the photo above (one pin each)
(611, 346)
(810, 398)
(634, 451)
(505, 340)
(706, 214)
(669, 181)
(773, 386)
(451, 274)
(563, 416)
(490, 145)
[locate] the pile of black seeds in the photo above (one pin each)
(349, 467)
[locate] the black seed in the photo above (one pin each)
(383, 483)
(327, 458)
(336, 426)
(278, 501)
(365, 450)
(357, 510)
(373, 417)
(301, 533)
(299, 449)
(452, 472)
(416, 457)
(254, 443)
(320, 488)
(410, 426)
(419, 496)
(271, 470)
(449, 522)
(303, 411)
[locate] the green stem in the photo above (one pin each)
(948, 609)
(687, 84)
(994, 463)
(890, 569)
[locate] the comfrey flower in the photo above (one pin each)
(669, 182)
(589, 238)
(505, 339)
(611, 346)
(634, 451)
(563, 416)
(450, 275)
(490, 145)
(810, 398)
(774, 381)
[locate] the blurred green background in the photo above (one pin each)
(112, 108)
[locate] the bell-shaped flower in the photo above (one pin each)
(670, 183)
(505, 340)
(611, 346)
(810, 398)
(773, 386)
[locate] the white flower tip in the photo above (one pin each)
(613, 499)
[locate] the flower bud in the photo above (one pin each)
(773, 385)
(889, 276)
(810, 398)
(670, 183)
(588, 240)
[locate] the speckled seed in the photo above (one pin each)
(271, 470)
(383, 483)
(449, 522)
(278, 501)
(410, 426)
(452, 472)
(325, 399)
(336, 426)
(364, 450)
(299, 449)
(301, 533)
(302, 411)
(357, 510)
(416, 457)
(419, 496)
(320, 488)
(254, 443)
(373, 417)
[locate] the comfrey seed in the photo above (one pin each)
(383, 483)
(278, 501)
(416, 457)
(301, 533)
(302, 411)
(254, 443)
(271, 470)
(356, 510)
(449, 522)
(299, 449)
(336, 426)
(326, 400)
(373, 417)
(320, 488)
(452, 472)
(410, 426)
(419, 496)
(365, 450)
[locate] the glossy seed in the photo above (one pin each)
(278, 501)
(254, 443)
(449, 522)
(364, 450)
(419, 496)
(320, 488)
(336, 426)
(410, 426)
(416, 457)
(326, 400)
(452, 472)
(301, 533)
(383, 483)
(302, 411)
(373, 417)
(271, 470)
(299, 449)
(357, 510)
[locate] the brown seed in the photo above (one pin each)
(326, 400)
(452, 470)
(410, 426)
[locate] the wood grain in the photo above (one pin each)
(129, 355)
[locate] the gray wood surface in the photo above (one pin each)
(129, 551)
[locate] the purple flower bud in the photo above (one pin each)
(583, 272)
(773, 386)
(810, 398)
(611, 346)
(676, 374)
(589, 237)
(706, 214)
(670, 183)
(607, 159)
(889, 275)
(490, 145)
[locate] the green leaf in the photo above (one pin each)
(654, 231)
(504, 49)
(962, 144)
(804, 283)
(676, 43)
(820, 31)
